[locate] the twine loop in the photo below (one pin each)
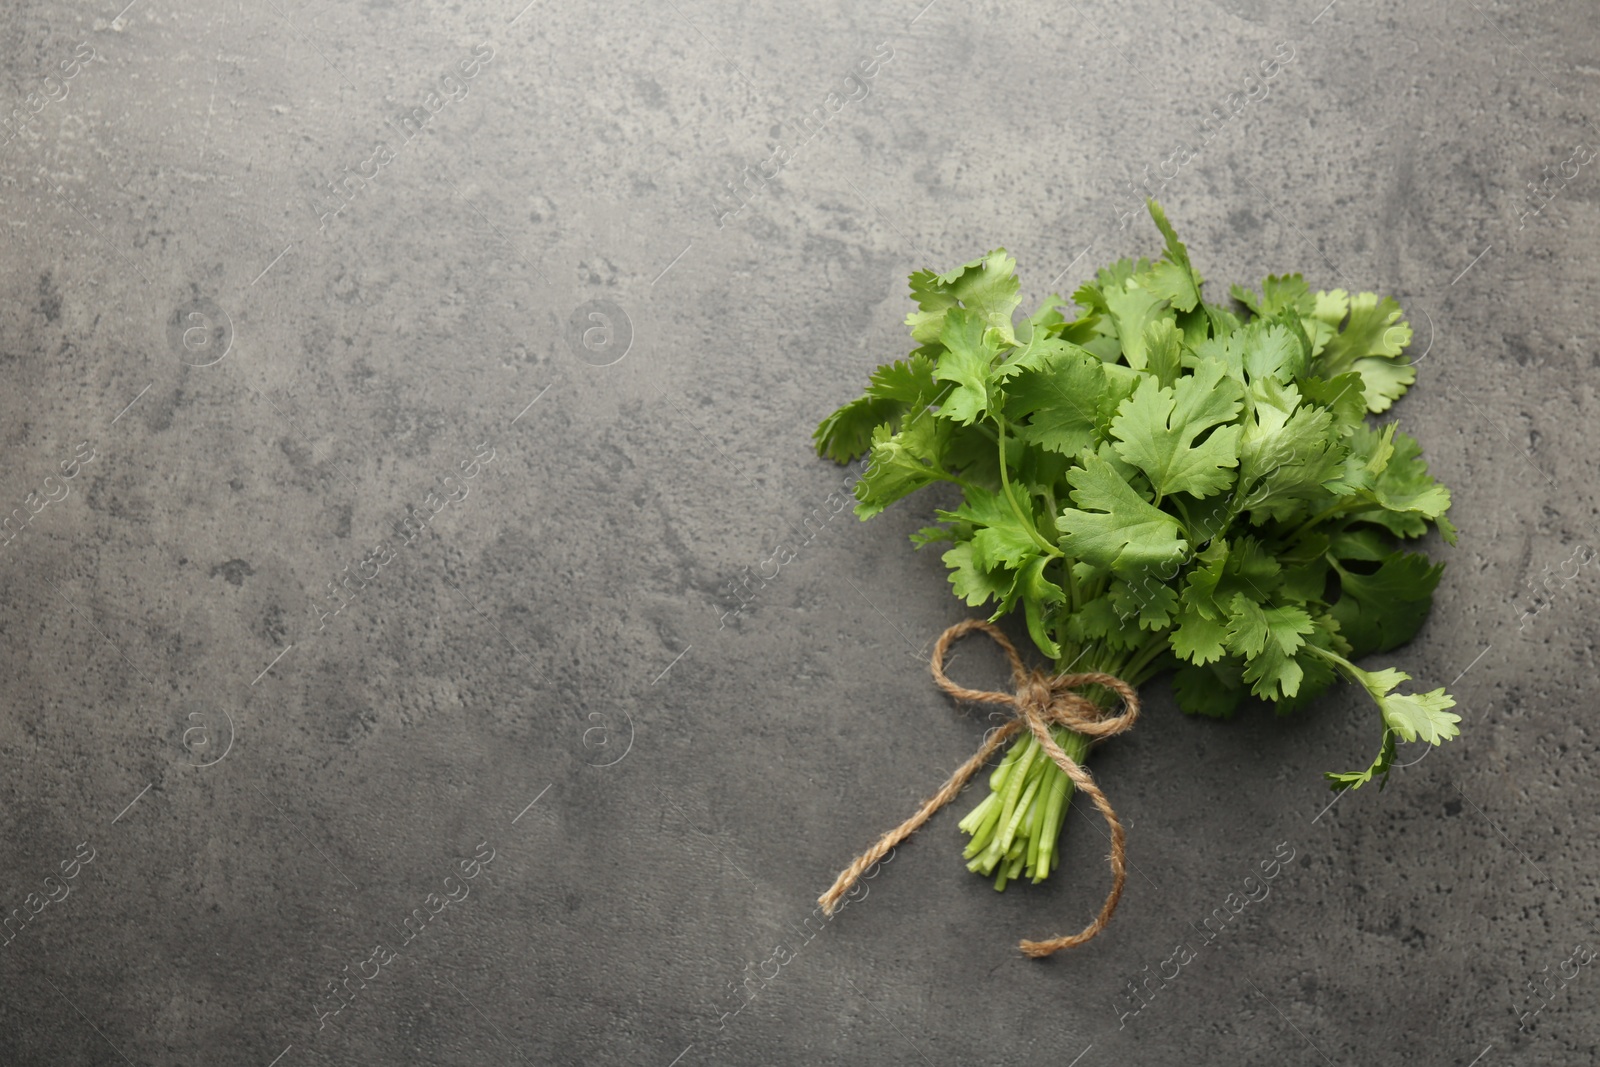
(1038, 701)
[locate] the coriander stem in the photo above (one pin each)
(1032, 829)
(1334, 657)
(1009, 833)
(1075, 745)
(1005, 485)
(1188, 524)
(977, 815)
(997, 780)
(1015, 781)
(1144, 657)
(1054, 808)
(984, 830)
(956, 479)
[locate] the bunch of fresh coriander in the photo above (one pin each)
(1159, 482)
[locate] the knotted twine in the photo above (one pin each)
(1040, 700)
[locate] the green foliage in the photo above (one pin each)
(1162, 483)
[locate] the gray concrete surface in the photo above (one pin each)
(260, 390)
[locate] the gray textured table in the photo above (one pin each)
(393, 391)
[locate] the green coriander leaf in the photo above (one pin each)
(1175, 251)
(1404, 485)
(1368, 454)
(1135, 477)
(934, 299)
(1198, 639)
(892, 389)
(1091, 295)
(970, 452)
(1057, 397)
(1247, 627)
(1041, 470)
(1288, 292)
(1251, 565)
(1286, 453)
(988, 287)
(1276, 634)
(901, 463)
(1384, 381)
(1380, 682)
(1271, 351)
(1145, 600)
(1120, 382)
(1113, 527)
(1330, 307)
(974, 584)
(1156, 430)
(1246, 296)
(1193, 326)
(1274, 674)
(1201, 589)
(1000, 538)
(1162, 349)
(969, 355)
(1046, 321)
(1173, 283)
(1208, 518)
(1318, 671)
(1385, 468)
(1098, 622)
(1447, 530)
(1036, 352)
(1106, 348)
(1304, 583)
(1373, 328)
(1132, 310)
(1342, 780)
(1038, 594)
(1174, 278)
(1005, 545)
(1381, 611)
(1258, 350)
(1213, 690)
(1410, 715)
(909, 381)
(1221, 320)
(1341, 395)
(1088, 572)
(1287, 625)
(1217, 350)
(1421, 715)
(847, 433)
(1360, 542)
(1370, 343)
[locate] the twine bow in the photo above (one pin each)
(1040, 700)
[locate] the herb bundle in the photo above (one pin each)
(1158, 483)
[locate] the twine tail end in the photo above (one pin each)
(841, 885)
(1040, 950)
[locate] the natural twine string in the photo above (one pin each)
(1040, 700)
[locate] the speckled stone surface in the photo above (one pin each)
(391, 391)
